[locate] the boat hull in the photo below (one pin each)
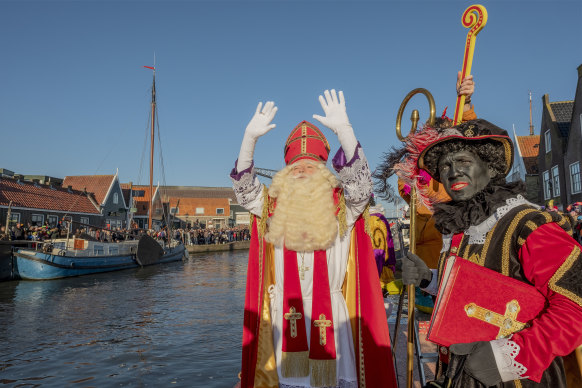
(35, 265)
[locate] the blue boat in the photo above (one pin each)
(75, 257)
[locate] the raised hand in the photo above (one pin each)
(336, 119)
(257, 127)
(414, 270)
(465, 87)
(261, 121)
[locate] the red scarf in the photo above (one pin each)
(319, 360)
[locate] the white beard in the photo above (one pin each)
(304, 217)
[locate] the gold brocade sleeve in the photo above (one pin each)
(349, 287)
(266, 370)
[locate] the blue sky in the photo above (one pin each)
(74, 97)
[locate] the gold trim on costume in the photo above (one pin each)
(507, 239)
(341, 215)
(486, 245)
(572, 257)
(517, 384)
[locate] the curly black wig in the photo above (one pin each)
(491, 152)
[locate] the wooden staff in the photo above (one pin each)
(474, 18)
(412, 231)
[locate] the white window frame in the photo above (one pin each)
(546, 174)
(116, 198)
(219, 208)
(84, 220)
(199, 210)
(556, 181)
(575, 178)
(38, 215)
(548, 138)
(174, 210)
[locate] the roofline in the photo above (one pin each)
(47, 210)
(109, 189)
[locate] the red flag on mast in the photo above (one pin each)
(149, 67)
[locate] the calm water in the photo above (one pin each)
(173, 325)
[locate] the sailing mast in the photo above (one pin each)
(153, 104)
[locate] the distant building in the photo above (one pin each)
(36, 204)
(141, 203)
(108, 194)
(525, 165)
(205, 207)
(573, 156)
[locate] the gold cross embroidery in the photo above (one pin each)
(322, 323)
(507, 323)
(293, 316)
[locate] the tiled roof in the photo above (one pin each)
(96, 184)
(189, 205)
(529, 145)
(28, 195)
(563, 113)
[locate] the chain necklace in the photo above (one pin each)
(303, 268)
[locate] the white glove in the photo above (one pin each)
(337, 120)
(257, 127)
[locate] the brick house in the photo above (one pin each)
(525, 164)
(554, 133)
(108, 194)
(37, 204)
(573, 156)
(140, 201)
(209, 207)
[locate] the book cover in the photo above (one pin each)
(475, 303)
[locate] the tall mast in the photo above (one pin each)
(150, 226)
(531, 129)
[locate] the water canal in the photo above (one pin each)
(174, 325)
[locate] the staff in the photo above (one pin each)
(474, 18)
(412, 242)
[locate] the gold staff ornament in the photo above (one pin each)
(474, 18)
(412, 231)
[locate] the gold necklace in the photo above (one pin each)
(303, 268)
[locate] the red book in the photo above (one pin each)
(475, 303)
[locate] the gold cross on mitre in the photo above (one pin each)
(293, 316)
(507, 323)
(322, 323)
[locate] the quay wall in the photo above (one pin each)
(236, 245)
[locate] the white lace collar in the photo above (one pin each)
(477, 233)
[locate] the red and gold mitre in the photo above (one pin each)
(306, 142)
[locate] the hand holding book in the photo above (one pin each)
(480, 361)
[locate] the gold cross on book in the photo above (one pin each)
(322, 323)
(293, 316)
(507, 323)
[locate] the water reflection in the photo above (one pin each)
(178, 323)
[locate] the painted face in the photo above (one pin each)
(302, 169)
(463, 174)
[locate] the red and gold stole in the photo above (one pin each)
(319, 360)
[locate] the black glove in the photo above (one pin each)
(480, 363)
(415, 271)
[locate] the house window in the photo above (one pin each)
(548, 137)
(199, 210)
(174, 210)
(115, 198)
(556, 179)
(52, 220)
(575, 178)
(37, 219)
(219, 210)
(547, 184)
(84, 220)
(14, 218)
